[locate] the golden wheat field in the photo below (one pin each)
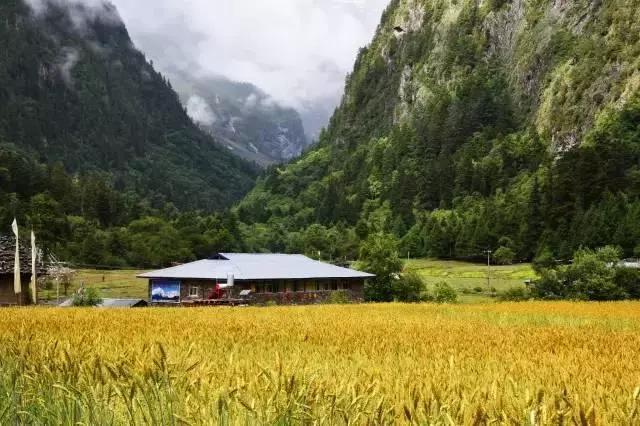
(528, 363)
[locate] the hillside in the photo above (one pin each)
(468, 125)
(242, 117)
(75, 91)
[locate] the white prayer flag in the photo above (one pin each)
(34, 290)
(17, 285)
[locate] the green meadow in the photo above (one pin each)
(470, 279)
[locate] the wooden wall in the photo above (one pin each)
(7, 295)
(354, 287)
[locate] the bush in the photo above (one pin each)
(543, 260)
(628, 279)
(338, 298)
(593, 275)
(504, 256)
(515, 294)
(379, 256)
(409, 288)
(478, 289)
(87, 297)
(444, 293)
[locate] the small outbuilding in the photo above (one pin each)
(256, 278)
(8, 296)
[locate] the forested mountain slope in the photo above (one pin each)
(75, 91)
(468, 125)
(242, 117)
(97, 155)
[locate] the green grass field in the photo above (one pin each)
(470, 279)
(111, 284)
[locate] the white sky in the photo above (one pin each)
(298, 51)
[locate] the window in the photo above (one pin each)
(193, 291)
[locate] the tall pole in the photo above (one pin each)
(489, 269)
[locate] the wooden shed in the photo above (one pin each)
(8, 296)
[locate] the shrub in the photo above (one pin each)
(444, 293)
(593, 275)
(409, 288)
(628, 279)
(477, 289)
(543, 260)
(87, 297)
(338, 298)
(504, 256)
(379, 256)
(515, 294)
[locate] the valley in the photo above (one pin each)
(459, 243)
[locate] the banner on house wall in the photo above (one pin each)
(165, 291)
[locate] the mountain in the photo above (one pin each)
(471, 125)
(315, 115)
(75, 91)
(242, 117)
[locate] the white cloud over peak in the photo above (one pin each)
(298, 51)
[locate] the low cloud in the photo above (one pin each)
(68, 61)
(200, 111)
(297, 51)
(81, 12)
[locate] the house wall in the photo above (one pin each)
(7, 295)
(279, 291)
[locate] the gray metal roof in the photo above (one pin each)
(110, 303)
(122, 303)
(245, 267)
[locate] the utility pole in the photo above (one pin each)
(488, 252)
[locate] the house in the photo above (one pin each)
(8, 296)
(278, 278)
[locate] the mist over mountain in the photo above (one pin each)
(97, 153)
(76, 91)
(242, 117)
(296, 51)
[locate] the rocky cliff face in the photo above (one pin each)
(242, 118)
(469, 123)
(564, 61)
